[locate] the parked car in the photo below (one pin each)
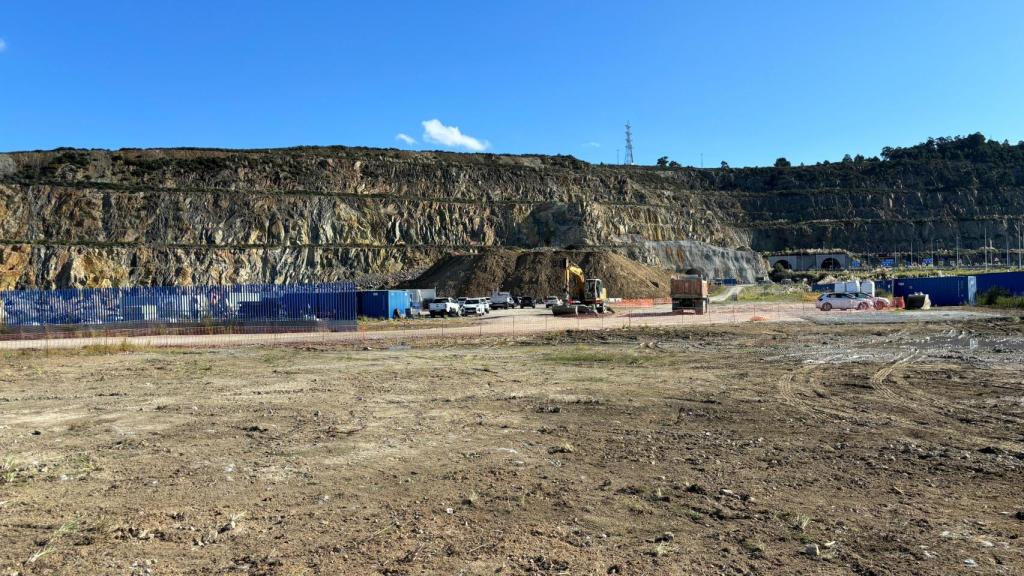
(503, 300)
(842, 301)
(527, 302)
(878, 302)
(552, 301)
(445, 307)
(474, 307)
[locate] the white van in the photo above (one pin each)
(502, 300)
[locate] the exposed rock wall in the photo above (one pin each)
(85, 218)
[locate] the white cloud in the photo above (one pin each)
(405, 138)
(3, 45)
(437, 133)
(591, 144)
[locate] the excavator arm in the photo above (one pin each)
(581, 291)
(575, 282)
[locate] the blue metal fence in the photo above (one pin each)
(249, 303)
(942, 291)
(1012, 282)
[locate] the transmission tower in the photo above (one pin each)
(628, 159)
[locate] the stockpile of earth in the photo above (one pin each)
(540, 273)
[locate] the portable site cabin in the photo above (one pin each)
(388, 304)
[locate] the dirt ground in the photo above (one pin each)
(783, 448)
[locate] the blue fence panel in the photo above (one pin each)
(886, 285)
(1010, 281)
(334, 301)
(945, 291)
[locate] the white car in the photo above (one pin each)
(474, 307)
(445, 307)
(878, 302)
(843, 301)
(552, 301)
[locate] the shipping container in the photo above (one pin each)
(1012, 282)
(946, 291)
(383, 303)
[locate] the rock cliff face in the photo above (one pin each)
(86, 218)
(186, 216)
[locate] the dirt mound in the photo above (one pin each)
(540, 273)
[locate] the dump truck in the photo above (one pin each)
(582, 294)
(690, 292)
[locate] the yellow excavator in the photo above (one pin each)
(582, 292)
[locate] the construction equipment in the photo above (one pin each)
(582, 294)
(690, 292)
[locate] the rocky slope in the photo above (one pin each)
(88, 218)
(948, 190)
(85, 218)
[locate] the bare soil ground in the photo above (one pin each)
(784, 448)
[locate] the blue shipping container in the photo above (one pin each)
(1010, 281)
(383, 303)
(947, 291)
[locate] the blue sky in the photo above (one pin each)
(742, 81)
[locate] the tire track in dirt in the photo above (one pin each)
(939, 406)
(879, 378)
(896, 390)
(802, 378)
